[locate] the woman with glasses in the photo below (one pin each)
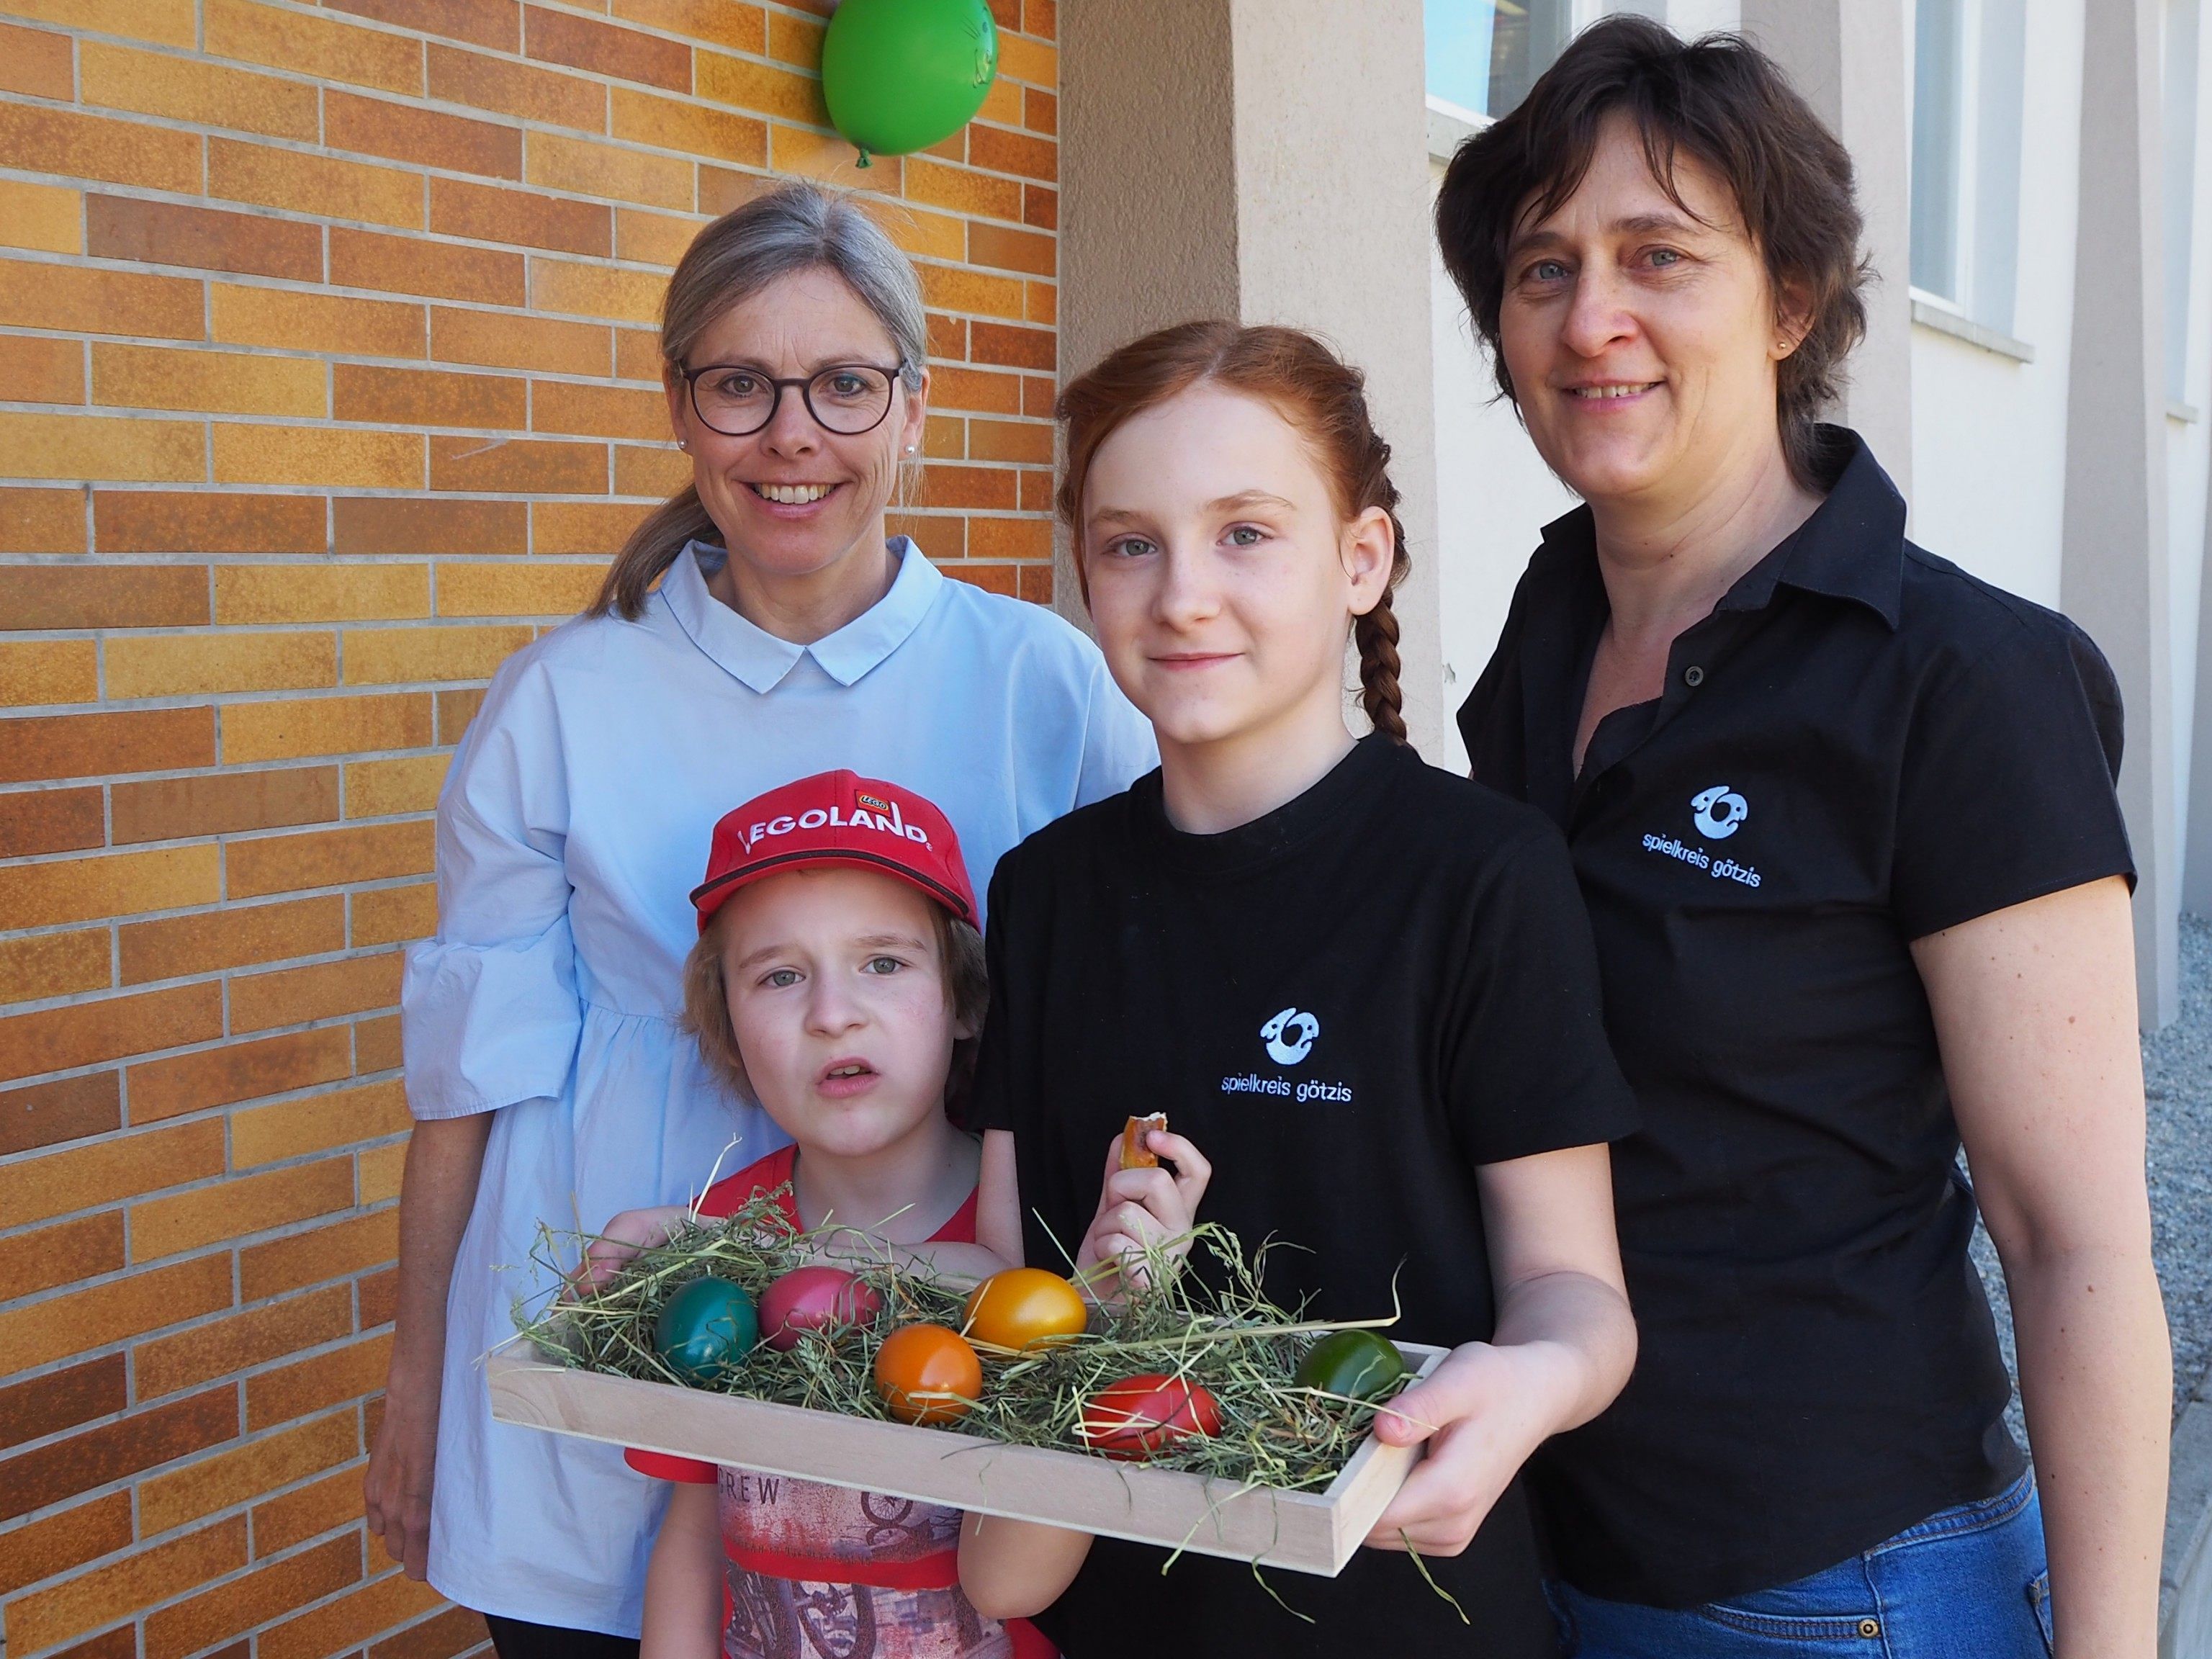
(760, 625)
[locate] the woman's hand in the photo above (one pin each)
(395, 1494)
(623, 1237)
(1140, 1209)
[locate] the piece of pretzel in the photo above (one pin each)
(1135, 1154)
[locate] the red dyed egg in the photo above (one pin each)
(1140, 1415)
(812, 1299)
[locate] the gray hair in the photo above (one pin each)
(796, 226)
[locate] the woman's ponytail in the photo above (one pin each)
(1376, 635)
(652, 547)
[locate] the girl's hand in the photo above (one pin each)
(1483, 1411)
(1142, 1207)
(623, 1237)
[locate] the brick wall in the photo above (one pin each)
(327, 379)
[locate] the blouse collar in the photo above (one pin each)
(760, 659)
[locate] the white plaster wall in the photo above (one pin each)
(2189, 458)
(1989, 433)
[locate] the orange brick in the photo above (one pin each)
(85, 745)
(1036, 584)
(583, 527)
(293, 996)
(39, 139)
(88, 1319)
(104, 596)
(991, 488)
(1011, 250)
(408, 397)
(992, 578)
(939, 535)
(374, 1606)
(724, 22)
(1021, 153)
(393, 916)
(128, 450)
(507, 590)
(501, 341)
(317, 455)
(330, 593)
(375, 789)
(1002, 104)
(1040, 111)
(396, 656)
(376, 1048)
(259, 1597)
(43, 217)
(59, 1039)
(746, 85)
(36, 521)
(47, 965)
(183, 1492)
(169, 22)
(237, 937)
(560, 37)
(308, 1511)
(49, 1547)
(380, 1172)
(406, 132)
(494, 23)
(230, 1209)
(324, 726)
(656, 239)
(318, 1123)
(36, 62)
(1010, 539)
(173, 233)
(1032, 61)
(48, 1114)
(723, 190)
(191, 89)
(321, 47)
(661, 471)
(1014, 348)
(222, 803)
(181, 665)
(487, 213)
(975, 391)
(385, 524)
(1044, 303)
(34, 671)
(517, 89)
(328, 858)
(150, 377)
(237, 1071)
(637, 355)
(34, 821)
(121, 884)
(696, 130)
(795, 40)
(446, 270)
(596, 169)
(630, 296)
(1041, 18)
(206, 521)
(456, 709)
(1009, 440)
(1041, 207)
(520, 466)
(309, 1385)
(832, 159)
(46, 1618)
(316, 322)
(75, 1251)
(599, 411)
(928, 235)
(320, 185)
(957, 288)
(948, 337)
(960, 191)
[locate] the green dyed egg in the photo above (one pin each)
(1359, 1365)
(707, 1330)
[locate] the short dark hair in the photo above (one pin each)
(1719, 100)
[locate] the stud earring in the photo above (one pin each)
(684, 444)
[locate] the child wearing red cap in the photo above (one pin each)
(839, 980)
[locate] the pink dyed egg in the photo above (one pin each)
(811, 1298)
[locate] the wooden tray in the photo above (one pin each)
(1303, 1531)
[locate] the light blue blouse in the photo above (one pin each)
(574, 823)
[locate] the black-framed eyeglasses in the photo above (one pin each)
(846, 398)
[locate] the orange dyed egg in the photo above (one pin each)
(1024, 1308)
(928, 1374)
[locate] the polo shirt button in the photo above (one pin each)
(1869, 1628)
(1693, 676)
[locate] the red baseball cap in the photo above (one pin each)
(837, 818)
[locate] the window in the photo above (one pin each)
(1484, 55)
(1969, 68)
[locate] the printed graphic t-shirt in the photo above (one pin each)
(1349, 1004)
(812, 1569)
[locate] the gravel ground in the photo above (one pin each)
(2177, 1083)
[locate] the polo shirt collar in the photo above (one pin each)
(760, 659)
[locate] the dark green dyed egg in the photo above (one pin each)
(707, 1330)
(1359, 1365)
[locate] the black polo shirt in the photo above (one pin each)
(1860, 746)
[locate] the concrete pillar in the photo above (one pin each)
(1266, 160)
(1848, 59)
(2113, 579)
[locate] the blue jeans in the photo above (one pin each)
(1968, 1583)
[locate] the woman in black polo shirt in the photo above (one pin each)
(1844, 820)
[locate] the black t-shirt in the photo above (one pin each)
(1348, 1005)
(1861, 746)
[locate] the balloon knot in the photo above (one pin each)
(864, 161)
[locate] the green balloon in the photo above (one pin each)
(902, 74)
